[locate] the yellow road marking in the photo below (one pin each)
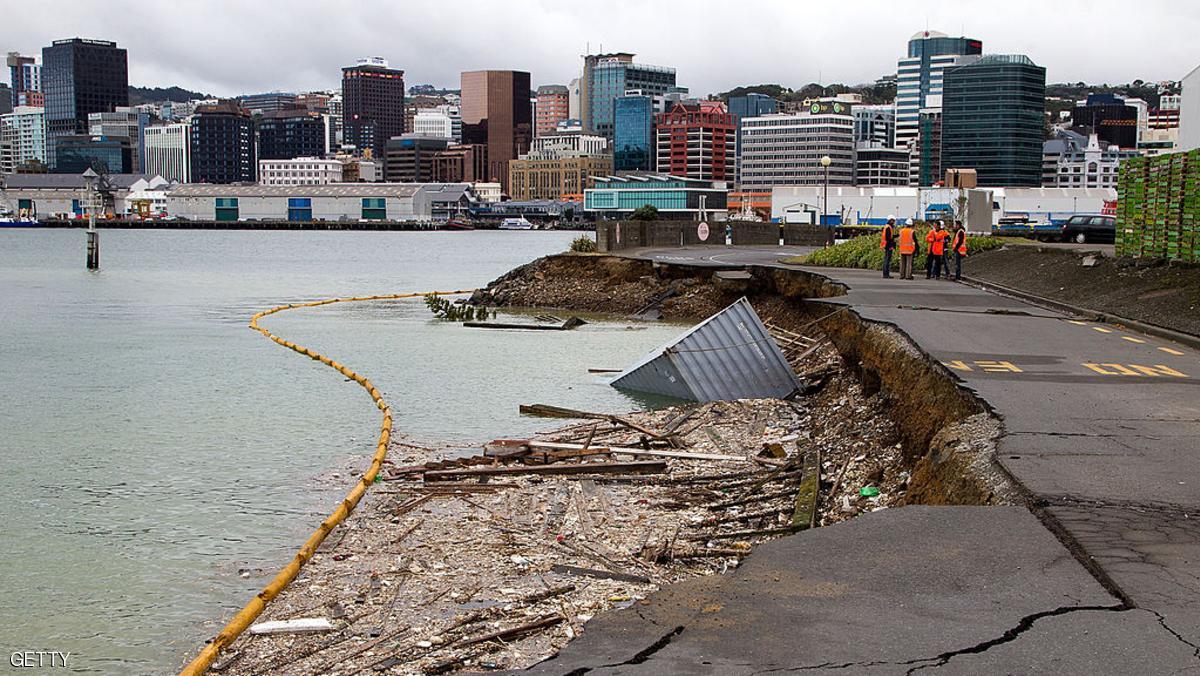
(1076, 321)
(1132, 339)
(957, 365)
(1159, 370)
(1137, 370)
(1101, 329)
(1168, 350)
(998, 366)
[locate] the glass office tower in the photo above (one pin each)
(633, 133)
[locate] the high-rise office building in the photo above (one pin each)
(223, 144)
(1110, 117)
(496, 114)
(633, 133)
(80, 77)
(553, 106)
(993, 120)
(606, 77)
(747, 106)
(919, 85)
(875, 125)
(124, 122)
(286, 134)
(372, 104)
(25, 79)
(168, 151)
(786, 149)
(696, 140)
(76, 153)
(409, 158)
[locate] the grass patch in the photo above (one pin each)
(864, 252)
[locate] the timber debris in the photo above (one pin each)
(496, 558)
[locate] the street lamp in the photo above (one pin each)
(825, 162)
(93, 239)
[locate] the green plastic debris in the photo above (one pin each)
(379, 478)
(868, 491)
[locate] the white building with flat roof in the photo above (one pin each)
(299, 171)
(786, 149)
(169, 151)
(1189, 111)
(23, 133)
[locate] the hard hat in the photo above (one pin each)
(891, 217)
(908, 221)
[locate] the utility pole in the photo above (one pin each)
(825, 162)
(93, 237)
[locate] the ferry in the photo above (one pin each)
(518, 223)
(10, 222)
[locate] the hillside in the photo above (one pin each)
(140, 95)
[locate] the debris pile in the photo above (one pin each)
(498, 558)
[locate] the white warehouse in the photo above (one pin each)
(343, 202)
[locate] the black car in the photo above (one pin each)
(1090, 228)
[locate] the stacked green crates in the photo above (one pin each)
(1158, 213)
(1190, 221)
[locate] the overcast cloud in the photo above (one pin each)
(226, 47)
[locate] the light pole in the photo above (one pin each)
(825, 162)
(93, 238)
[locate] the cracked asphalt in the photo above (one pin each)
(1100, 575)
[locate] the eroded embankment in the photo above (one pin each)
(948, 435)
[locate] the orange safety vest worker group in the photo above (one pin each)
(959, 246)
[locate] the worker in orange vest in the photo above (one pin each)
(887, 242)
(958, 244)
(908, 248)
(936, 239)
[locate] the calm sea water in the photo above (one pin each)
(152, 446)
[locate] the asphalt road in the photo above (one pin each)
(1101, 425)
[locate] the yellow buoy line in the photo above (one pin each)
(250, 612)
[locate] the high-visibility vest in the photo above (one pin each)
(908, 240)
(937, 242)
(885, 235)
(960, 242)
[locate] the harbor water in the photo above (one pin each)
(161, 461)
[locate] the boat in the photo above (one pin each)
(10, 222)
(456, 224)
(518, 223)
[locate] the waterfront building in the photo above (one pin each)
(1084, 162)
(786, 149)
(124, 122)
(633, 133)
(372, 104)
(919, 77)
(168, 151)
(1108, 116)
(496, 115)
(222, 144)
(607, 77)
(297, 132)
(553, 106)
(80, 77)
(76, 153)
(23, 132)
(65, 195)
(299, 171)
(876, 165)
(410, 158)
(25, 79)
(696, 140)
(269, 102)
(335, 202)
(543, 176)
(675, 197)
(993, 117)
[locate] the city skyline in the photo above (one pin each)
(210, 54)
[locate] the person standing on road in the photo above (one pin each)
(958, 245)
(908, 249)
(887, 242)
(936, 239)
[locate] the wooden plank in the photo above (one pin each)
(302, 625)
(654, 453)
(512, 632)
(525, 327)
(785, 530)
(548, 411)
(597, 572)
(805, 514)
(636, 467)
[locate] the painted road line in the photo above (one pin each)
(1135, 370)
(1132, 339)
(1101, 329)
(1168, 350)
(1076, 321)
(998, 366)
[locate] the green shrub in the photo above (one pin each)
(459, 311)
(583, 244)
(646, 212)
(864, 252)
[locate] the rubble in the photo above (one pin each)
(447, 566)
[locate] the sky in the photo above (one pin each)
(231, 47)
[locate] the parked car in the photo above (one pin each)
(1084, 228)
